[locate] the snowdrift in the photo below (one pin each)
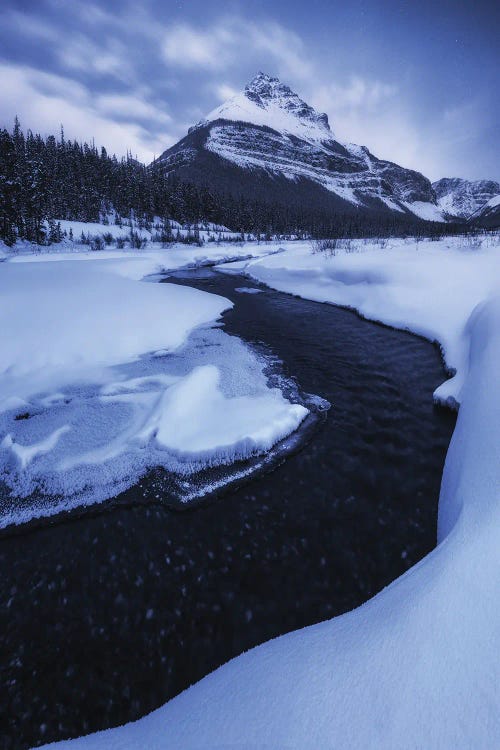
(104, 377)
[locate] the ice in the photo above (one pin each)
(248, 290)
(104, 377)
(195, 418)
(26, 453)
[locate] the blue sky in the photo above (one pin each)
(417, 82)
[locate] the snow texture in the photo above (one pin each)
(416, 666)
(206, 229)
(268, 102)
(463, 198)
(430, 288)
(103, 377)
(269, 127)
(425, 210)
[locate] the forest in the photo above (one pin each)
(44, 179)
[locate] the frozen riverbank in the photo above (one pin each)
(158, 599)
(429, 288)
(104, 377)
(417, 665)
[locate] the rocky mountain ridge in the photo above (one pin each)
(266, 141)
(461, 198)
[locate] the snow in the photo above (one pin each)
(91, 229)
(61, 320)
(103, 377)
(94, 229)
(428, 287)
(416, 666)
(391, 204)
(274, 112)
(275, 158)
(195, 418)
(463, 198)
(493, 202)
(425, 210)
(136, 264)
(486, 209)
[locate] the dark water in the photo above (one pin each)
(105, 617)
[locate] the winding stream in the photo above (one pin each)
(107, 616)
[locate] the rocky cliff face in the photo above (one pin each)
(488, 216)
(462, 198)
(268, 138)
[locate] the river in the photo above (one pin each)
(107, 615)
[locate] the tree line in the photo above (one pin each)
(42, 179)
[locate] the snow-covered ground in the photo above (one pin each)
(430, 288)
(207, 230)
(417, 666)
(103, 376)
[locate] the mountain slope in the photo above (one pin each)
(462, 198)
(267, 142)
(488, 216)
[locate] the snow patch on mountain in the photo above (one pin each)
(271, 153)
(268, 102)
(424, 210)
(489, 214)
(462, 198)
(268, 127)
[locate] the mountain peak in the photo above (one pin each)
(266, 101)
(264, 88)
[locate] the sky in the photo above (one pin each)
(417, 82)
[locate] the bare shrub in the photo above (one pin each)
(472, 241)
(328, 247)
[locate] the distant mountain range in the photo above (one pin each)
(267, 143)
(464, 198)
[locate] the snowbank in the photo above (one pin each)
(61, 323)
(103, 377)
(194, 418)
(136, 264)
(417, 666)
(427, 287)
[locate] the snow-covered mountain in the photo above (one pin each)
(463, 198)
(268, 102)
(267, 142)
(488, 215)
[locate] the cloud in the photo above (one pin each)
(43, 101)
(131, 106)
(134, 81)
(235, 40)
(109, 58)
(358, 93)
(26, 25)
(373, 113)
(223, 91)
(187, 47)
